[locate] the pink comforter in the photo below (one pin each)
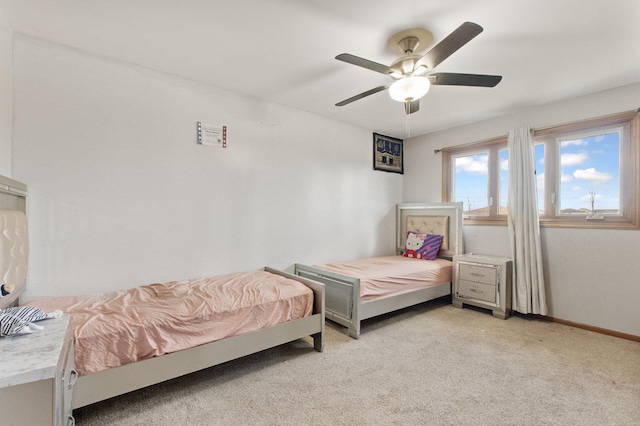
(387, 275)
(118, 328)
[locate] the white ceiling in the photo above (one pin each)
(282, 51)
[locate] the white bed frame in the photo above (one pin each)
(105, 384)
(343, 304)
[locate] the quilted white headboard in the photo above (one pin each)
(438, 225)
(14, 239)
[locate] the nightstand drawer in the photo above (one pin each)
(478, 274)
(474, 290)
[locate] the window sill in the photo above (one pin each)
(607, 223)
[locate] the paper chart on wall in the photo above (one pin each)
(212, 135)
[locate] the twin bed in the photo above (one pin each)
(364, 288)
(126, 340)
(130, 339)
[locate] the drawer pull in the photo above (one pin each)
(73, 377)
(476, 274)
(71, 421)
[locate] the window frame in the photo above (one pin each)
(629, 173)
(492, 147)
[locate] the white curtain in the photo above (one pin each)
(528, 295)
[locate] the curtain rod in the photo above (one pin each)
(541, 129)
(484, 142)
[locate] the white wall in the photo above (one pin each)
(5, 97)
(592, 275)
(120, 193)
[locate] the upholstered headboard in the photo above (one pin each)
(431, 218)
(14, 241)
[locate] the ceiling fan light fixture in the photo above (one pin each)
(409, 88)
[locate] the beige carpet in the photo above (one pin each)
(428, 365)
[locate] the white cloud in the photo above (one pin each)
(568, 159)
(592, 175)
(504, 165)
(566, 178)
(474, 164)
(576, 142)
(576, 188)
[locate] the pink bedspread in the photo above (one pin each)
(387, 275)
(118, 328)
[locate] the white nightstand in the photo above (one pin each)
(37, 375)
(483, 281)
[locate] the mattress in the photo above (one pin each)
(117, 328)
(389, 275)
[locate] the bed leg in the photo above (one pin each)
(354, 331)
(318, 341)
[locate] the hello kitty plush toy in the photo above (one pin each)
(413, 244)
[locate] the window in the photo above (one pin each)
(478, 178)
(587, 175)
(471, 182)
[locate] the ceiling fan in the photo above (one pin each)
(411, 72)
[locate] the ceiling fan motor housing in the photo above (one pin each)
(405, 64)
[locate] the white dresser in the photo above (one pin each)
(483, 281)
(37, 376)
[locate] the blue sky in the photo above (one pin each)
(471, 180)
(589, 164)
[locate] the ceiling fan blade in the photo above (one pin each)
(411, 106)
(363, 95)
(455, 79)
(365, 63)
(454, 41)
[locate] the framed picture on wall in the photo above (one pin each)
(387, 154)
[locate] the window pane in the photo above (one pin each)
(590, 175)
(504, 180)
(539, 157)
(471, 183)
